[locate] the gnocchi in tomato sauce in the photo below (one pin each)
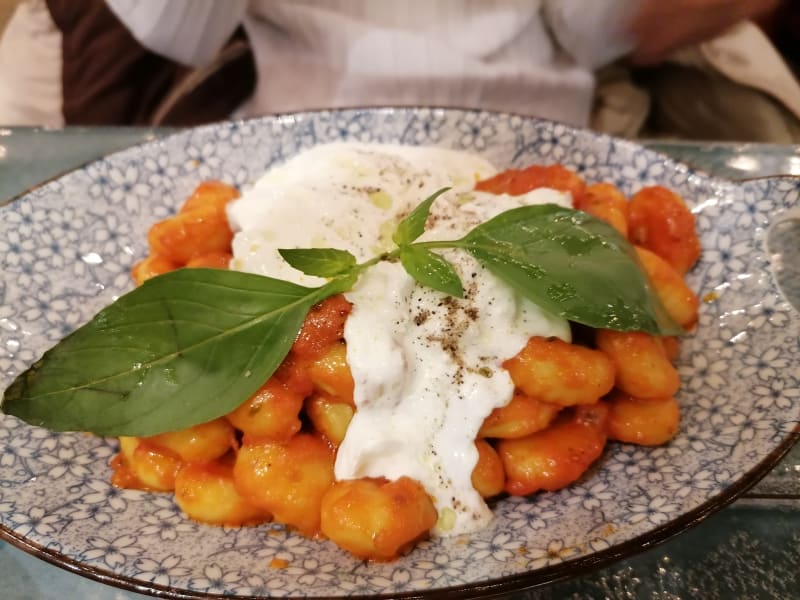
(275, 457)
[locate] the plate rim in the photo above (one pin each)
(176, 132)
(510, 583)
(505, 584)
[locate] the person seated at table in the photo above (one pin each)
(534, 58)
(736, 85)
(74, 62)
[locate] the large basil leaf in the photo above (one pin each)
(572, 265)
(182, 349)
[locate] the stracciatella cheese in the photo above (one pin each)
(426, 366)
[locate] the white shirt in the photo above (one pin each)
(532, 57)
(30, 68)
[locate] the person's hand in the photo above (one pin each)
(661, 26)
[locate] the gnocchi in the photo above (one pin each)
(376, 519)
(554, 371)
(273, 456)
(606, 202)
(660, 221)
(287, 479)
(206, 492)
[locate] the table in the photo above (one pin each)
(750, 549)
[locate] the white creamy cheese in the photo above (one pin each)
(426, 366)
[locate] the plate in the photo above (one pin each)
(66, 249)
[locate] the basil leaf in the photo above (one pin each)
(413, 225)
(431, 270)
(182, 349)
(322, 262)
(572, 265)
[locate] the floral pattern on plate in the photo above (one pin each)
(67, 247)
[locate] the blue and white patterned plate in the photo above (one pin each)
(66, 249)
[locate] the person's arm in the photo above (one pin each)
(660, 26)
(191, 32)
